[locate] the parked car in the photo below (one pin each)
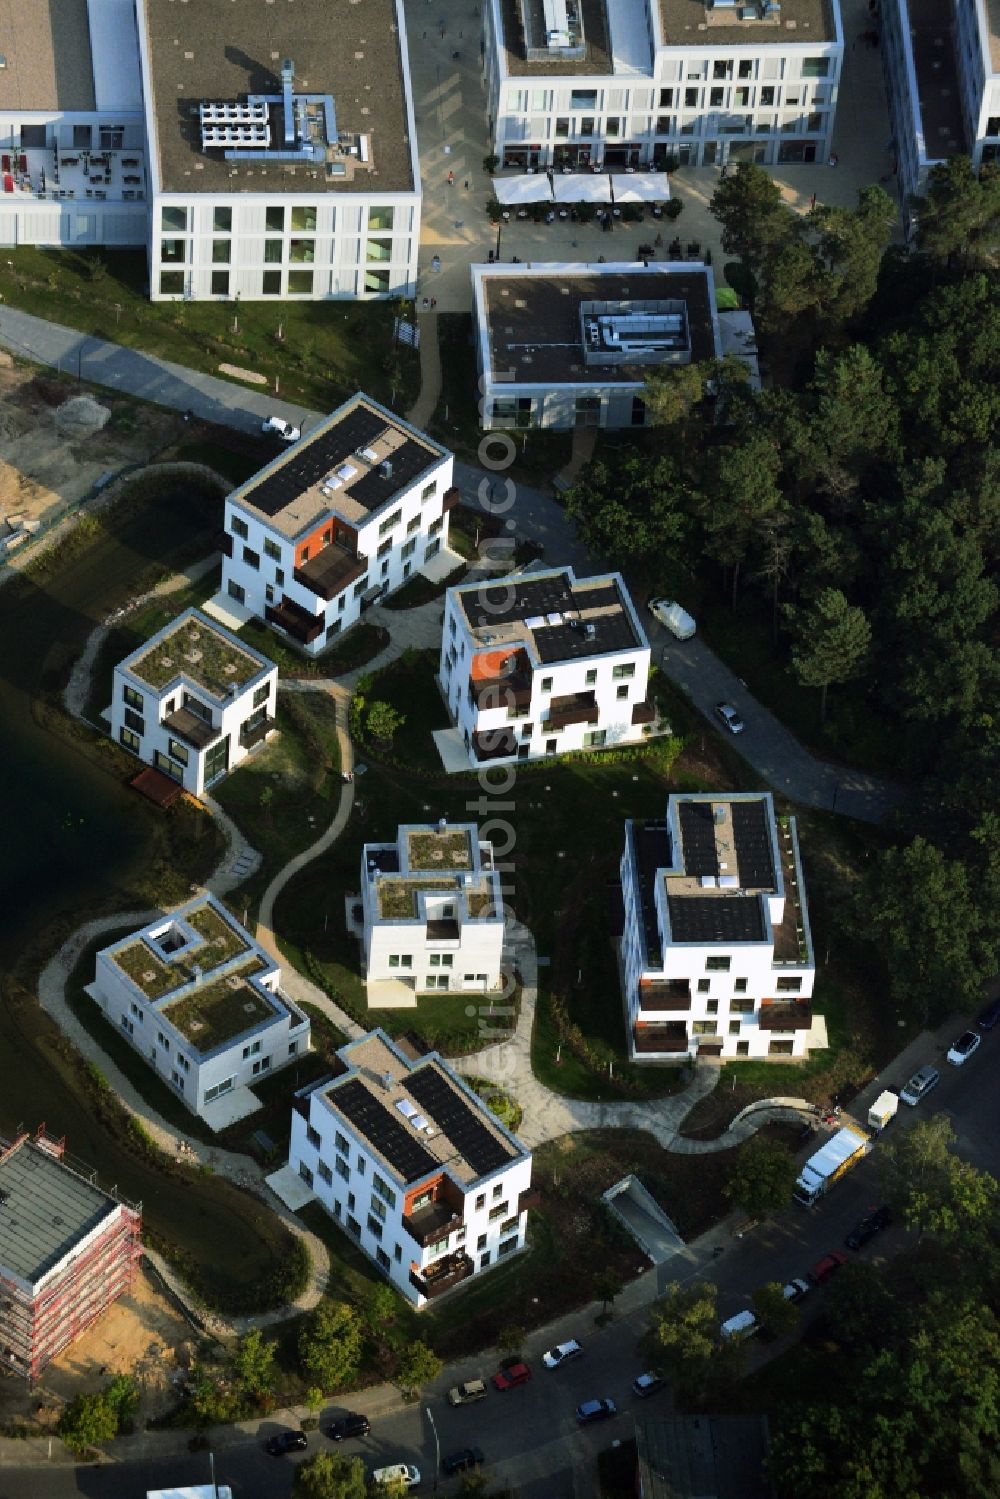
(988, 1017)
(961, 1050)
(462, 1461)
(730, 717)
(286, 1441)
(467, 1393)
(508, 1378)
(595, 1410)
(348, 1425)
(404, 1473)
(276, 426)
(743, 1325)
(920, 1085)
(827, 1266)
(647, 1384)
(561, 1354)
(866, 1230)
(796, 1289)
(670, 614)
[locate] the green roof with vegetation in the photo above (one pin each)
(451, 849)
(199, 651)
(217, 1012)
(155, 978)
(398, 897)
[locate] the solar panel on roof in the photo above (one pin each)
(714, 918)
(698, 838)
(453, 1116)
(395, 1141)
(751, 834)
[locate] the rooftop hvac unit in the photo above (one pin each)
(385, 468)
(368, 454)
(442, 824)
(589, 631)
(386, 1081)
(719, 815)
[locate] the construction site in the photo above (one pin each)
(68, 1250)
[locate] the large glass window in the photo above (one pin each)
(221, 251)
(274, 218)
(303, 251)
(583, 98)
(272, 284)
(177, 751)
(171, 216)
(273, 251)
(376, 280)
(378, 249)
(171, 283)
(173, 251)
(381, 218)
(304, 216)
(217, 761)
(222, 220)
(220, 283)
(815, 67)
(300, 283)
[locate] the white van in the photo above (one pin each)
(743, 1325)
(677, 620)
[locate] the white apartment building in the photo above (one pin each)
(433, 914)
(413, 1166)
(199, 999)
(579, 84)
(716, 951)
(282, 149)
(573, 345)
(72, 131)
(543, 664)
(941, 60)
(336, 521)
(193, 701)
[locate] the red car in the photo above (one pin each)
(515, 1375)
(827, 1266)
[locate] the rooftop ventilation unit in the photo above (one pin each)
(418, 1121)
(368, 454)
(589, 631)
(346, 471)
(287, 104)
(386, 1081)
(406, 1108)
(385, 468)
(719, 814)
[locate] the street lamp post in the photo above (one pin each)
(437, 1446)
(499, 232)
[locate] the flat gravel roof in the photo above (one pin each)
(45, 1209)
(47, 47)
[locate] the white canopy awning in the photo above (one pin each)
(583, 187)
(640, 187)
(531, 188)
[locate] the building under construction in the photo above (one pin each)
(68, 1249)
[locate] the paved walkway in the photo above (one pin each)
(422, 409)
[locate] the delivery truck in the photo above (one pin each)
(883, 1110)
(842, 1151)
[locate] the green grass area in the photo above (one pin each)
(362, 642)
(128, 634)
(420, 590)
(408, 685)
(285, 796)
(218, 455)
(326, 351)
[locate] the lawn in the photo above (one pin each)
(326, 351)
(362, 642)
(420, 590)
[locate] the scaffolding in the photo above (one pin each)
(39, 1320)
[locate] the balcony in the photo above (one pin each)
(255, 729)
(778, 1015)
(529, 1198)
(224, 543)
(450, 499)
(494, 744)
(513, 691)
(652, 1039)
(664, 994)
(189, 727)
(574, 707)
(294, 620)
(644, 713)
(331, 571)
(444, 932)
(428, 1225)
(442, 1276)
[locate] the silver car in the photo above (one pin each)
(920, 1085)
(730, 717)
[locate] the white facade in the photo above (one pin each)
(942, 71)
(193, 701)
(544, 665)
(309, 563)
(716, 950)
(199, 999)
(433, 1194)
(72, 130)
(704, 84)
(433, 913)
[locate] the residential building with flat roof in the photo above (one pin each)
(545, 663)
(580, 84)
(432, 912)
(573, 345)
(200, 1001)
(716, 950)
(282, 149)
(72, 130)
(68, 1249)
(413, 1166)
(193, 701)
(941, 60)
(339, 519)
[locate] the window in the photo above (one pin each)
(498, 1191)
(271, 284)
(397, 1253)
(222, 220)
(170, 218)
(135, 721)
(480, 1201)
(767, 97)
(360, 587)
(221, 251)
(484, 1260)
(583, 98)
(251, 558)
(409, 548)
(442, 960)
(220, 283)
(666, 98)
(612, 128)
(261, 1066)
(390, 521)
(341, 1167)
(595, 739)
(127, 1025)
(507, 1246)
(815, 67)
(133, 698)
(413, 525)
(591, 677)
(704, 985)
(239, 527)
(341, 1143)
(304, 217)
(512, 410)
(226, 1086)
(253, 1050)
(741, 1006)
(236, 591)
(382, 1258)
(361, 1163)
(380, 1185)
(279, 577)
(350, 1201)
(717, 965)
(162, 1040)
(273, 251)
(427, 493)
(380, 218)
(626, 672)
(302, 251)
(177, 751)
(691, 98)
(734, 1027)
(587, 125)
(789, 986)
(745, 68)
(274, 219)
(501, 1210)
(312, 1135)
(743, 1048)
(300, 283)
(325, 1172)
(261, 695)
(272, 549)
(173, 251)
(716, 98)
(293, 1047)
(740, 986)
(781, 1048)
(171, 283)
(712, 1008)
(621, 693)
(354, 1226)
(378, 249)
(993, 125)
(378, 1208)
(703, 1027)
(546, 684)
(436, 981)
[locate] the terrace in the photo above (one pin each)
(790, 944)
(399, 900)
(215, 1013)
(195, 650)
(451, 849)
(442, 1275)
